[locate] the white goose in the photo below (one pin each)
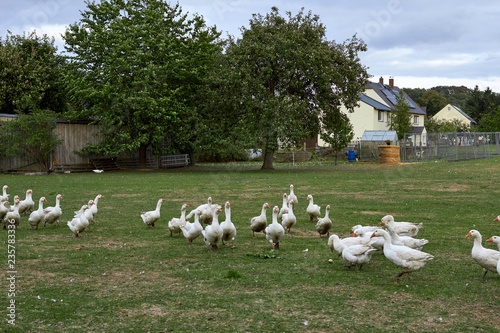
(292, 196)
(495, 240)
(192, 230)
(324, 224)
(358, 255)
(79, 222)
(4, 196)
(402, 228)
(414, 243)
(207, 211)
(227, 226)
(150, 218)
(409, 259)
(27, 205)
(13, 217)
(338, 244)
(312, 209)
(175, 224)
(375, 242)
(93, 208)
(37, 216)
(284, 206)
(259, 223)
(289, 219)
(53, 214)
(213, 233)
(486, 258)
(11, 207)
(275, 231)
(3, 210)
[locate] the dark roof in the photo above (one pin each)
(370, 101)
(465, 114)
(418, 129)
(389, 95)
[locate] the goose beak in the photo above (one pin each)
(373, 235)
(468, 235)
(490, 239)
(382, 223)
(497, 219)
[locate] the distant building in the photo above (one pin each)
(452, 112)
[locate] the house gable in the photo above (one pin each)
(450, 112)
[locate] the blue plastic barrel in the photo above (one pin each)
(351, 156)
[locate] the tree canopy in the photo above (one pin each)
(284, 75)
(136, 66)
(31, 75)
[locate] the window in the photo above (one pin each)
(380, 116)
(415, 120)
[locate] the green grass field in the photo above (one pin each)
(123, 276)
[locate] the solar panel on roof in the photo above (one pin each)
(390, 96)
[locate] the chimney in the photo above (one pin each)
(381, 80)
(391, 82)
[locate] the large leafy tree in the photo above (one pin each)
(137, 65)
(31, 75)
(284, 74)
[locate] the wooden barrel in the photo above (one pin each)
(388, 155)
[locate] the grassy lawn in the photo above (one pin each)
(123, 276)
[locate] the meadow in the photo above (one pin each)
(123, 276)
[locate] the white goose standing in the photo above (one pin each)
(37, 216)
(289, 219)
(259, 223)
(486, 258)
(13, 217)
(496, 240)
(324, 224)
(79, 222)
(27, 205)
(409, 259)
(312, 209)
(150, 218)
(175, 224)
(4, 196)
(191, 231)
(213, 233)
(53, 214)
(284, 206)
(227, 226)
(93, 208)
(292, 196)
(275, 231)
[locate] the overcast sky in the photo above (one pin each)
(421, 44)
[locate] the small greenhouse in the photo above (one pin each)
(368, 145)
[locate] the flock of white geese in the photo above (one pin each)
(397, 240)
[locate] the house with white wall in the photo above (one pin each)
(374, 109)
(452, 112)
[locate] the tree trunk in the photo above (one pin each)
(143, 163)
(268, 158)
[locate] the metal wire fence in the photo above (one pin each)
(450, 146)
